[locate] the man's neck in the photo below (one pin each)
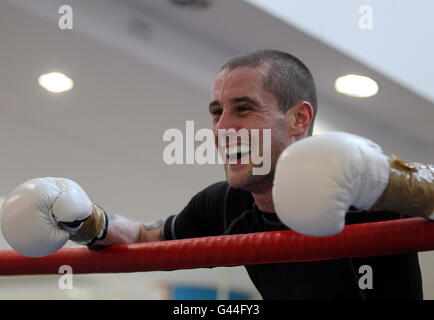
(264, 200)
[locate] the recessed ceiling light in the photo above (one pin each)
(356, 86)
(55, 82)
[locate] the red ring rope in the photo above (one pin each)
(368, 239)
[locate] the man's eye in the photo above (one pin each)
(216, 112)
(243, 108)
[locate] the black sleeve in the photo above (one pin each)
(202, 217)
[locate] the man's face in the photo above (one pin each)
(239, 101)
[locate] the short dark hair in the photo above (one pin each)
(288, 79)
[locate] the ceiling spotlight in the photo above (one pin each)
(356, 86)
(55, 82)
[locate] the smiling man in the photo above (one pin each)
(260, 90)
(263, 90)
(250, 93)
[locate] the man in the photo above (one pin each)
(262, 90)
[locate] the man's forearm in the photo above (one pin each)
(123, 230)
(153, 231)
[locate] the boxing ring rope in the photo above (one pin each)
(359, 240)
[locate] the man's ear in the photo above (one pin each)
(300, 118)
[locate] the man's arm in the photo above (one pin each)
(124, 230)
(39, 216)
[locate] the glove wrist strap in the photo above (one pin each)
(93, 228)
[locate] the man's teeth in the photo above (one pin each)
(243, 149)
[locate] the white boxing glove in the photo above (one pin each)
(41, 215)
(318, 178)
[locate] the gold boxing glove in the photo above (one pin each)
(410, 190)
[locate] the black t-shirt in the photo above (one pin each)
(220, 209)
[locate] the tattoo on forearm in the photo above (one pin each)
(153, 226)
(159, 224)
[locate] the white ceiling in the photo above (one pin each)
(396, 44)
(141, 67)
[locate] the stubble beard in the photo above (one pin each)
(249, 182)
(256, 183)
(246, 180)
